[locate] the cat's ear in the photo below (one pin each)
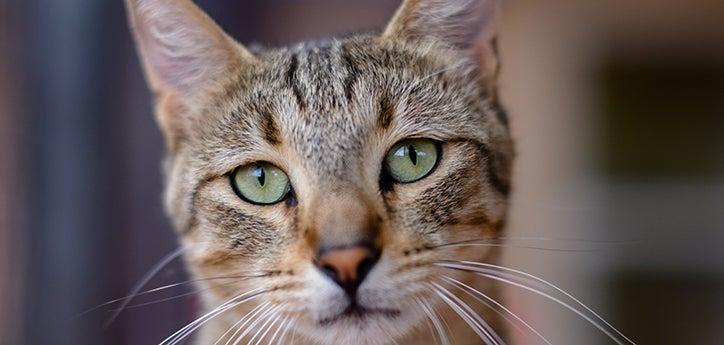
(182, 49)
(466, 25)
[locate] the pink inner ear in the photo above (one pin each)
(182, 48)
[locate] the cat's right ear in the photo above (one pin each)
(182, 49)
(183, 52)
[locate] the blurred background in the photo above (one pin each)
(617, 107)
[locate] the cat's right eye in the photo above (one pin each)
(260, 183)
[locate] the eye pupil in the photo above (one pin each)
(262, 176)
(412, 153)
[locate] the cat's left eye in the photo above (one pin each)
(260, 183)
(411, 160)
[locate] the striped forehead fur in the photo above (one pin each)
(359, 84)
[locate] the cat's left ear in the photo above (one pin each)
(466, 25)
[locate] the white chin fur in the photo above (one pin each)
(395, 315)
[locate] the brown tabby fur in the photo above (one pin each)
(327, 113)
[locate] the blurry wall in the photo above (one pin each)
(11, 177)
(614, 104)
(618, 112)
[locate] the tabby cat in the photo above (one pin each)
(349, 191)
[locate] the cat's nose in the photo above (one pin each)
(348, 265)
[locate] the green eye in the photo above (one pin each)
(260, 183)
(411, 160)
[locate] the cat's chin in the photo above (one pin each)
(359, 326)
(359, 315)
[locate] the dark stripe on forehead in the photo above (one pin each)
(292, 82)
(387, 111)
(269, 128)
(352, 74)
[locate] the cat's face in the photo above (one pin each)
(325, 180)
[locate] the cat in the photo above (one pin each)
(348, 191)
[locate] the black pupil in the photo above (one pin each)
(412, 153)
(261, 176)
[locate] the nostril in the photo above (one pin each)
(329, 271)
(365, 267)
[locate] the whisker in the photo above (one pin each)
(508, 275)
(259, 319)
(272, 319)
(435, 322)
(481, 328)
(559, 239)
(251, 318)
(288, 327)
(445, 324)
(191, 327)
(190, 293)
(186, 294)
(245, 317)
(468, 289)
(144, 280)
(201, 321)
(279, 328)
(428, 322)
(507, 245)
(502, 241)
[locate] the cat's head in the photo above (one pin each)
(331, 175)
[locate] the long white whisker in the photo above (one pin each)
(428, 322)
(446, 327)
(190, 293)
(186, 294)
(465, 313)
(191, 327)
(157, 289)
(507, 245)
(236, 278)
(432, 322)
(179, 334)
(470, 312)
(291, 325)
(468, 289)
(261, 318)
(274, 318)
(144, 280)
(508, 275)
(262, 311)
(279, 328)
(245, 317)
(556, 239)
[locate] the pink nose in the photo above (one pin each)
(348, 266)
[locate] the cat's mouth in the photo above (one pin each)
(358, 313)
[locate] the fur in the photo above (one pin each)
(326, 113)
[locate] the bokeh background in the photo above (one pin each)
(617, 107)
